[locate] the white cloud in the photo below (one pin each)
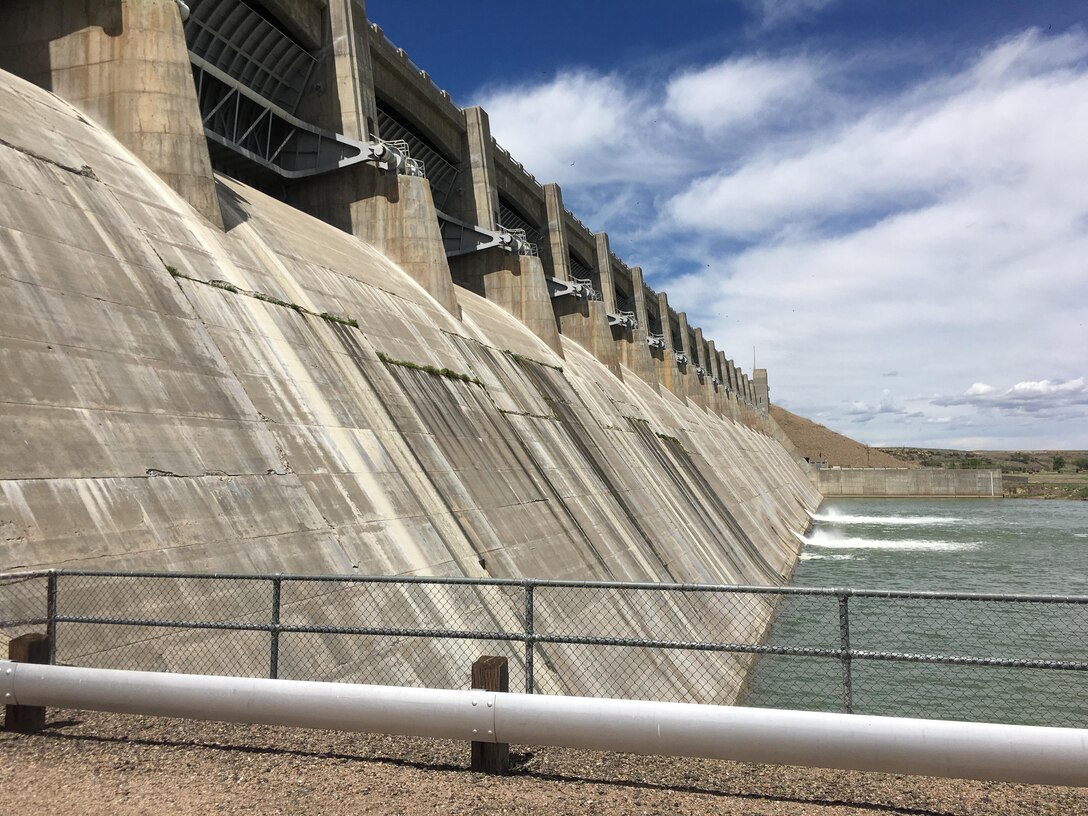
(739, 92)
(861, 412)
(1003, 126)
(1056, 398)
(579, 127)
(938, 232)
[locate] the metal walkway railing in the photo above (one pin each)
(999, 658)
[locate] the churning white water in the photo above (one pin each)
(1011, 546)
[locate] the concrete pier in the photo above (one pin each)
(556, 252)
(123, 63)
(514, 282)
(631, 342)
(668, 371)
(482, 203)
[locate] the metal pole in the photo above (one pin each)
(51, 615)
(274, 645)
(1009, 753)
(844, 655)
(530, 645)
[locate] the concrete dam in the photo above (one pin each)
(272, 302)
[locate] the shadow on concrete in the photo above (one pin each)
(27, 27)
(235, 208)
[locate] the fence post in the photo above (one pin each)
(844, 654)
(32, 648)
(530, 646)
(491, 673)
(51, 616)
(274, 630)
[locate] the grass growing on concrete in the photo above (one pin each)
(275, 301)
(227, 286)
(521, 358)
(434, 371)
(343, 321)
(667, 438)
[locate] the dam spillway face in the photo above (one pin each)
(224, 353)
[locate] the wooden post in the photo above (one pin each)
(32, 648)
(491, 673)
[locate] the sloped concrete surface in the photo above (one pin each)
(174, 399)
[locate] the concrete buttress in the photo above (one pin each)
(393, 212)
(123, 63)
(514, 282)
(634, 352)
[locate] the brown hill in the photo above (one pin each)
(819, 444)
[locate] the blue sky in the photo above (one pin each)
(887, 200)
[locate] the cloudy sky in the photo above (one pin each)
(887, 201)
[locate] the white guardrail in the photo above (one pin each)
(1008, 753)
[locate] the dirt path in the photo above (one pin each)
(91, 763)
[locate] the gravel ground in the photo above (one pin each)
(94, 763)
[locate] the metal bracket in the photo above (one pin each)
(393, 154)
(587, 289)
(655, 341)
(516, 241)
(573, 287)
(624, 320)
(460, 238)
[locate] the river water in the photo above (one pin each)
(1023, 547)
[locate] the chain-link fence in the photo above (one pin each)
(1001, 658)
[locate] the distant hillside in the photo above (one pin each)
(819, 444)
(1030, 461)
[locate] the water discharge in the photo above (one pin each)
(834, 516)
(831, 540)
(958, 545)
(1023, 547)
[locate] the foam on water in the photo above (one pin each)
(807, 556)
(832, 541)
(834, 517)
